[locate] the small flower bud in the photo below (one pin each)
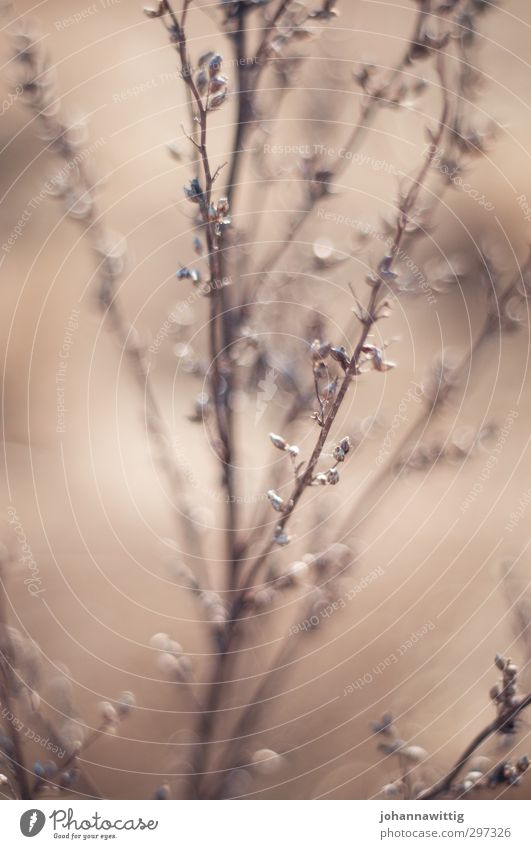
(159, 641)
(499, 660)
(278, 441)
(340, 355)
(266, 761)
(415, 754)
(108, 713)
(162, 792)
(277, 502)
(154, 11)
(126, 702)
(332, 476)
(217, 84)
(214, 65)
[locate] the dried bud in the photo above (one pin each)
(278, 441)
(205, 58)
(217, 101)
(341, 450)
(214, 64)
(499, 660)
(277, 502)
(340, 355)
(108, 713)
(222, 206)
(162, 792)
(415, 754)
(320, 350)
(155, 11)
(201, 81)
(332, 476)
(217, 84)
(266, 761)
(522, 764)
(281, 537)
(126, 703)
(194, 192)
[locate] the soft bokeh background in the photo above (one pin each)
(93, 505)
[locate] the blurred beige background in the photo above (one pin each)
(91, 501)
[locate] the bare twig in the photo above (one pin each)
(506, 719)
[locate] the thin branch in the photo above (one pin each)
(217, 298)
(497, 725)
(305, 479)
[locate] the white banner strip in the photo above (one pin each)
(263, 824)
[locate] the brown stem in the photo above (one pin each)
(498, 724)
(218, 311)
(305, 479)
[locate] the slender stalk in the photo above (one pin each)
(444, 785)
(220, 377)
(305, 478)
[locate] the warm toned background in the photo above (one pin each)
(92, 504)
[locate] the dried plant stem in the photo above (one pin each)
(406, 206)
(372, 103)
(57, 130)
(305, 478)
(17, 758)
(218, 310)
(6, 674)
(368, 495)
(497, 725)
